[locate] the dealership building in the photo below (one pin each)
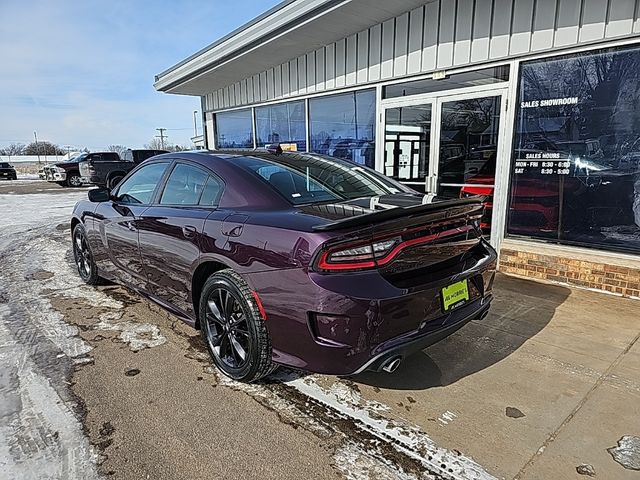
(533, 103)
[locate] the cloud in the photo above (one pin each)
(81, 72)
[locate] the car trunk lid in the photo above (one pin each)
(399, 234)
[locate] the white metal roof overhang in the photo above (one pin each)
(290, 29)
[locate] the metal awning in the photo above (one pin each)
(290, 29)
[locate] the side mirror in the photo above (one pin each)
(101, 194)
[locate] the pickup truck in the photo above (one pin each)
(66, 174)
(108, 171)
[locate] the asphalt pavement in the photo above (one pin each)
(99, 382)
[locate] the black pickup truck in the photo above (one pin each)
(108, 170)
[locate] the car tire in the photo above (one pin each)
(74, 180)
(232, 327)
(113, 181)
(83, 256)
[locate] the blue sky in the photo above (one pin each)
(81, 72)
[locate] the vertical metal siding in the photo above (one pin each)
(330, 66)
(521, 27)
(481, 30)
(464, 28)
(414, 54)
(302, 74)
(447, 28)
(567, 22)
(311, 72)
(500, 30)
(440, 35)
(375, 52)
(363, 57)
(388, 43)
(340, 62)
(593, 13)
(621, 17)
(320, 73)
(293, 76)
(401, 45)
(352, 53)
(430, 37)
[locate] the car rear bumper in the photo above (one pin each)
(341, 324)
(422, 340)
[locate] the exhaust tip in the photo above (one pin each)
(392, 364)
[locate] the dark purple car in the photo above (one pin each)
(289, 259)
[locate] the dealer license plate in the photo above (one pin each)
(455, 295)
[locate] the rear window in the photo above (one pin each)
(316, 178)
(5, 165)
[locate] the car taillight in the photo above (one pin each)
(381, 251)
(356, 257)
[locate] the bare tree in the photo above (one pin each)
(13, 149)
(43, 148)
(156, 144)
(119, 149)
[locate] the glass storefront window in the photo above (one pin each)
(234, 129)
(281, 123)
(576, 163)
(344, 126)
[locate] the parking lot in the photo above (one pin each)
(97, 381)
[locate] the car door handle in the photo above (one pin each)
(188, 231)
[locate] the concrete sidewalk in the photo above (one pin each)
(548, 381)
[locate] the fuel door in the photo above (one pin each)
(233, 225)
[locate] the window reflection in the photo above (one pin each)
(406, 145)
(576, 175)
(343, 126)
(468, 150)
(281, 123)
(234, 129)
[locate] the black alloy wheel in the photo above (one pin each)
(233, 328)
(74, 180)
(83, 257)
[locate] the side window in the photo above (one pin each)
(184, 186)
(139, 187)
(111, 157)
(211, 193)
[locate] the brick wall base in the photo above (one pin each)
(599, 273)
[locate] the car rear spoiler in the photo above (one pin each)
(399, 212)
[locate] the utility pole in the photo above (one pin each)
(195, 124)
(162, 136)
(37, 148)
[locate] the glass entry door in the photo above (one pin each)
(468, 147)
(407, 144)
